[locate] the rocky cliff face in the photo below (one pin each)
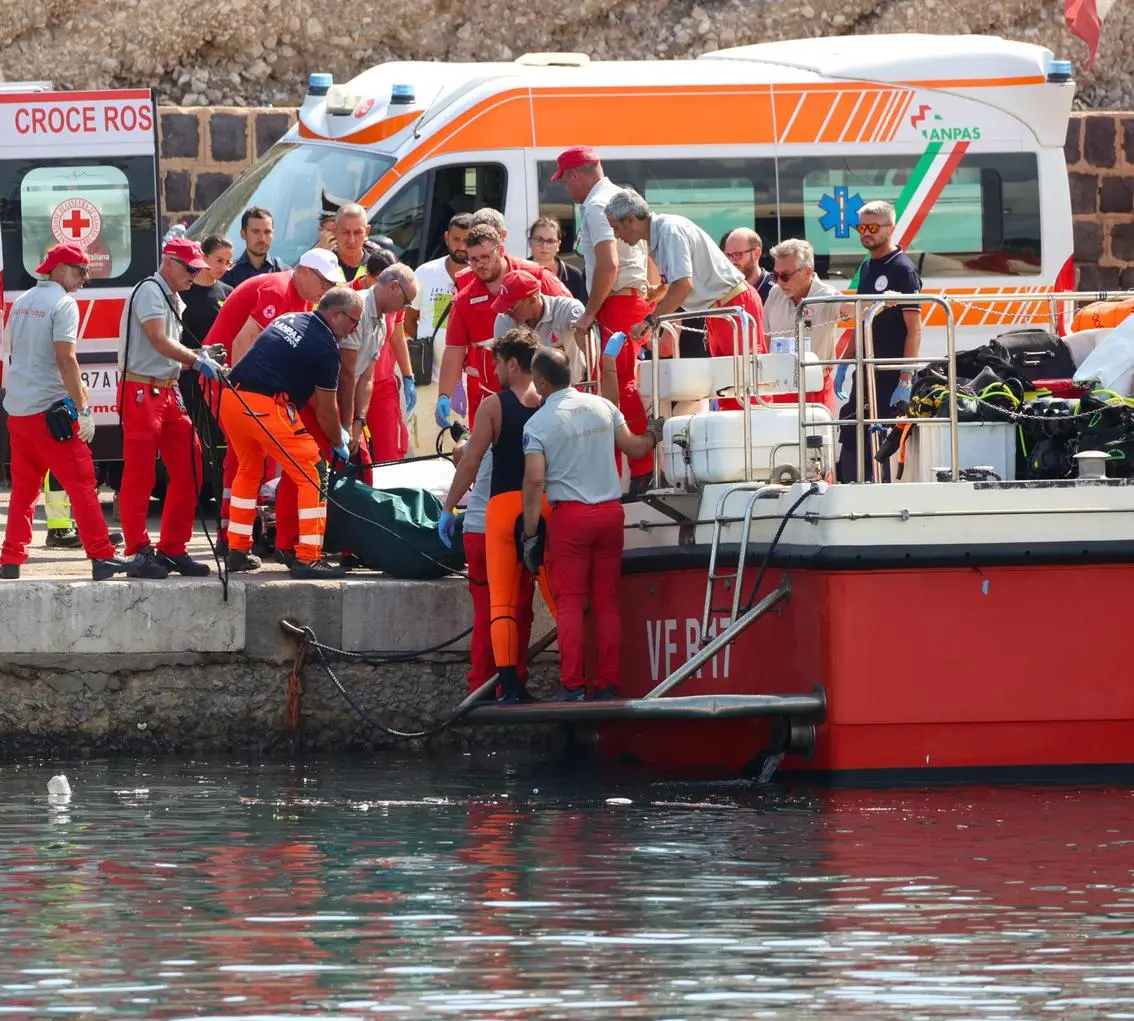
(241, 53)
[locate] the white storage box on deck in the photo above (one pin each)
(980, 445)
(777, 374)
(679, 379)
(710, 448)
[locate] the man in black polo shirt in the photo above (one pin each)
(256, 229)
(897, 331)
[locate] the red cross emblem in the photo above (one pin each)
(76, 220)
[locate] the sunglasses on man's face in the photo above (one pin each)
(783, 278)
(872, 228)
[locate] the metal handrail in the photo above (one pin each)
(864, 334)
(743, 329)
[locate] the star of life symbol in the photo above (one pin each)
(840, 211)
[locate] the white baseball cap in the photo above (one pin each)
(325, 263)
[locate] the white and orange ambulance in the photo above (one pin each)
(82, 167)
(964, 134)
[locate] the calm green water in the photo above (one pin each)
(495, 889)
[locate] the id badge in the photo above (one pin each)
(292, 414)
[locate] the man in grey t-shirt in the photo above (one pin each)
(698, 275)
(520, 303)
(49, 420)
(154, 420)
(569, 451)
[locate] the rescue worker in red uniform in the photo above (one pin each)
(468, 339)
(567, 445)
(154, 419)
(292, 361)
(500, 428)
(50, 423)
(697, 273)
(617, 283)
(358, 352)
(250, 308)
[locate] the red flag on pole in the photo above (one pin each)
(1084, 19)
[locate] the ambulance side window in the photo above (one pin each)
(717, 195)
(986, 219)
(416, 217)
(106, 206)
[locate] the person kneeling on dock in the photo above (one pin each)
(294, 360)
(500, 426)
(568, 446)
(50, 422)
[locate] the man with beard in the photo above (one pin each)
(427, 318)
(256, 231)
(472, 322)
(743, 248)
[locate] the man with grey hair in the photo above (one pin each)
(697, 274)
(395, 288)
(492, 218)
(743, 248)
(795, 280)
(294, 361)
(897, 329)
(352, 229)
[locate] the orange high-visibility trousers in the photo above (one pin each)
(258, 426)
(510, 584)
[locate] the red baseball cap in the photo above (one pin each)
(517, 285)
(188, 252)
(68, 254)
(576, 156)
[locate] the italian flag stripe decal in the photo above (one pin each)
(922, 190)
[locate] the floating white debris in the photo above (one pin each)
(619, 801)
(59, 786)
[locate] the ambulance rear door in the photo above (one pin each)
(82, 167)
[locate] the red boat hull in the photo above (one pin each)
(924, 669)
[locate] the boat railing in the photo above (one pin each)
(745, 369)
(866, 405)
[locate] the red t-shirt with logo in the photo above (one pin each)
(472, 320)
(260, 298)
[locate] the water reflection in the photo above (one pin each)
(425, 889)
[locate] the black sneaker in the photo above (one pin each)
(286, 557)
(318, 571)
(184, 565)
(569, 695)
(63, 538)
(237, 560)
(145, 564)
(349, 562)
(108, 568)
(607, 694)
(115, 538)
(9, 572)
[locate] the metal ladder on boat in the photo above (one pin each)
(753, 489)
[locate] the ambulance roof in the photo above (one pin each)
(901, 59)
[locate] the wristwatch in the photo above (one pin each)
(86, 412)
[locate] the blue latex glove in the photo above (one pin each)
(902, 391)
(410, 388)
(442, 412)
(446, 527)
(841, 382)
(206, 366)
(340, 454)
(614, 344)
(461, 400)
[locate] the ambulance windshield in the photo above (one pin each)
(293, 182)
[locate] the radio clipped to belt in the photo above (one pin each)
(61, 417)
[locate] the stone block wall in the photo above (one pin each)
(1100, 165)
(204, 149)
